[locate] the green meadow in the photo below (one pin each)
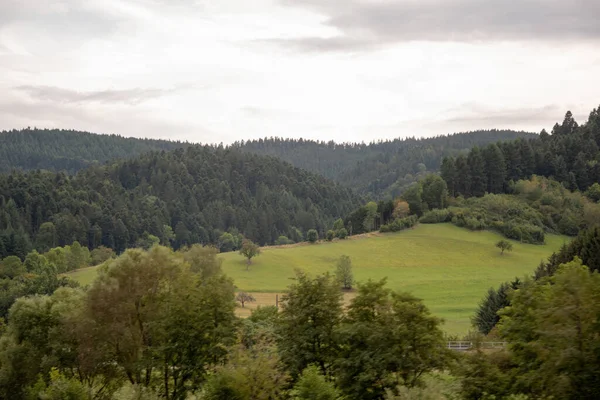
(450, 268)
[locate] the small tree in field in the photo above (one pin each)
(243, 298)
(312, 235)
(504, 245)
(249, 250)
(343, 272)
(330, 235)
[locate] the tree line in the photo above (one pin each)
(160, 324)
(569, 154)
(69, 150)
(200, 194)
(378, 169)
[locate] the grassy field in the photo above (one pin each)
(450, 268)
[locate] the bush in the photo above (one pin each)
(400, 224)
(312, 236)
(436, 216)
(281, 240)
(342, 233)
(330, 235)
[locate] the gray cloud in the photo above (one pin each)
(368, 23)
(127, 96)
(478, 115)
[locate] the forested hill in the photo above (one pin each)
(379, 168)
(186, 196)
(570, 154)
(68, 150)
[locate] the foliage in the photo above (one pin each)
(310, 311)
(312, 236)
(69, 150)
(330, 235)
(504, 245)
(202, 194)
(312, 385)
(282, 240)
(343, 272)
(377, 169)
(552, 325)
(243, 298)
(379, 319)
(569, 156)
(486, 317)
(342, 233)
(101, 254)
(254, 373)
(400, 224)
(249, 250)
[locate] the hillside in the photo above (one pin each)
(71, 151)
(381, 168)
(448, 267)
(570, 154)
(178, 198)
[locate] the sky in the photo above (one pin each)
(344, 70)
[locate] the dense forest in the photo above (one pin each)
(569, 154)
(379, 169)
(71, 151)
(198, 195)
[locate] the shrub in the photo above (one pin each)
(400, 224)
(436, 216)
(329, 235)
(312, 236)
(342, 233)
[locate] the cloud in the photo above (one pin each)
(365, 24)
(125, 96)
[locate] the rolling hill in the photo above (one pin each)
(449, 267)
(68, 150)
(379, 168)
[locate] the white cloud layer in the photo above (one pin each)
(351, 70)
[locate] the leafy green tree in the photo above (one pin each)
(77, 256)
(435, 192)
(203, 260)
(310, 311)
(249, 250)
(330, 235)
(343, 272)
(146, 241)
(254, 373)
(312, 385)
(283, 240)
(149, 314)
(101, 254)
(414, 197)
(369, 221)
(552, 326)
(594, 192)
(504, 245)
(379, 319)
(338, 224)
(37, 263)
(342, 233)
(448, 173)
(312, 236)
(11, 267)
(46, 237)
(243, 298)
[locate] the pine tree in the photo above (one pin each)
(495, 169)
(477, 168)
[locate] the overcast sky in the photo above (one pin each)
(346, 70)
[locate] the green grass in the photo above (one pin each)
(450, 268)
